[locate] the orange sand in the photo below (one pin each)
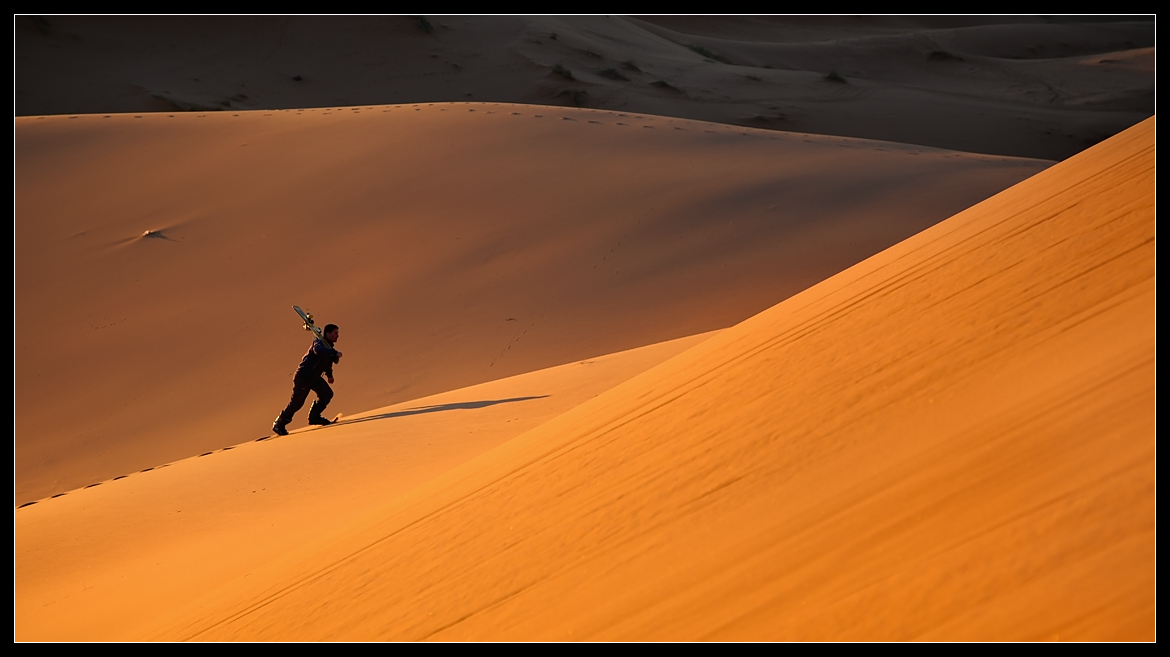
(454, 244)
(951, 440)
(932, 416)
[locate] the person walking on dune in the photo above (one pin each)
(320, 359)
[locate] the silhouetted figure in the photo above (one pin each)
(317, 361)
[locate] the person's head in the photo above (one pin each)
(331, 332)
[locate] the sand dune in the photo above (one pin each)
(951, 440)
(103, 563)
(1026, 86)
(652, 330)
(456, 243)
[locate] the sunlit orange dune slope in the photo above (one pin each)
(953, 439)
(157, 256)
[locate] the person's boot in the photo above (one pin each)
(315, 416)
(278, 427)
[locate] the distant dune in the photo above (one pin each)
(1028, 86)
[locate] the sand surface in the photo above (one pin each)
(953, 439)
(453, 243)
(112, 557)
(655, 328)
(1028, 86)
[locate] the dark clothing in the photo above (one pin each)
(317, 361)
(300, 392)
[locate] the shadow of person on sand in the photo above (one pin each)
(456, 406)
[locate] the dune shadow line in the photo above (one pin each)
(457, 406)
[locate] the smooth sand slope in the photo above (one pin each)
(1029, 86)
(953, 439)
(107, 562)
(158, 255)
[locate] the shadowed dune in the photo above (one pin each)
(1027, 86)
(159, 254)
(953, 439)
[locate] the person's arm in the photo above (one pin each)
(330, 355)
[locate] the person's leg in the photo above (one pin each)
(324, 395)
(300, 393)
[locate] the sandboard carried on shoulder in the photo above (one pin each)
(307, 318)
